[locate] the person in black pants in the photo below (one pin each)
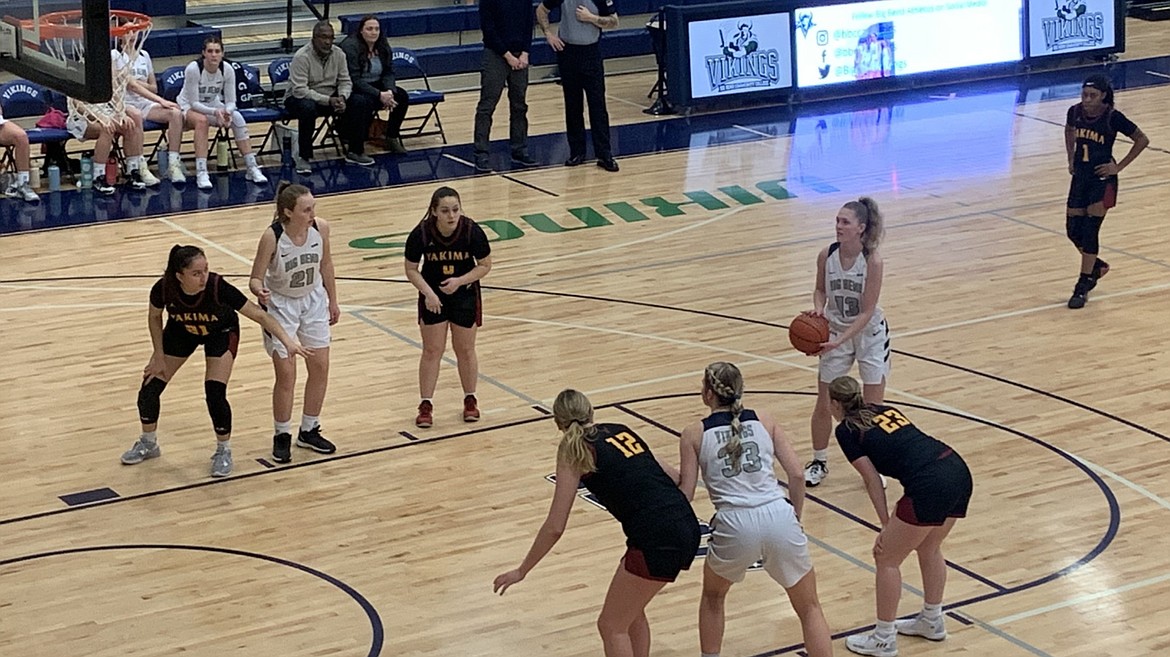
(507, 38)
(582, 71)
(319, 85)
(371, 68)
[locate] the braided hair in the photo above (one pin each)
(725, 382)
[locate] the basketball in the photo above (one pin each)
(808, 332)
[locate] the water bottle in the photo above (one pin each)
(86, 170)
(221, 154)
(164, 161)
(111, 170)
(286, 148)
(34, 177)
(54, 178)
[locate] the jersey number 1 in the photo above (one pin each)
(1084, 152)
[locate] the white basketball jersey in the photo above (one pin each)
(140, 69)
(843, 291)
(752, 482)
(295, 271)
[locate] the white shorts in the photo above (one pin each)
(870, 349)
(305, 318)
(236, 119)
(76, 125)
(740, 537)
(144, 105)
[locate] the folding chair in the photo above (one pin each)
(278, 74)
(20, 99)
(406, 66)
(254, 105)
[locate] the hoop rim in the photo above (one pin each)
(67, 24)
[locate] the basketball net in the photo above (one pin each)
(63, 37)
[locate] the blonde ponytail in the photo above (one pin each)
(847, 391)
(573, 414)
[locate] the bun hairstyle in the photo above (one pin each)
(867, 212)
(573, 413)
(179, 259)
(725, 382)
(847, 391)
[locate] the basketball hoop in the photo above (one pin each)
(62, 36)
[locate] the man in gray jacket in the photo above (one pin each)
(319, 85)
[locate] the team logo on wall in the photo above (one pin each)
(1073, 27)
(741, 64)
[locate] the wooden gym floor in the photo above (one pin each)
(389, 547)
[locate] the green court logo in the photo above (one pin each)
(392, 245)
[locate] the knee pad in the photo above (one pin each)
(1091, 234)
(218, 407)
(148, 400)
(239, 126)
(1072, 228)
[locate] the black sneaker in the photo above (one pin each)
(315, 441)
(282, 447)
(575, 161)
(102, 187)
(483, 164)
(136, 182)
(1081, 292)
(523, 160)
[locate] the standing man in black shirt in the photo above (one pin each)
(507, 38)
(582, 71)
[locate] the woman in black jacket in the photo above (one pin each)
(370, 66)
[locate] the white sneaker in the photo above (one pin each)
(255, 175)
(202, 180)
(148, 178)
(815, 472)
(871, 644)
(23, 192)
(141, 451)
(920, 625)
(221, 462)
(176, 173)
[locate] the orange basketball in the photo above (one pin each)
(807, 332)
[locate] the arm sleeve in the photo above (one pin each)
(552, 4)
(230, 295)
(606, 8)
(414, 245)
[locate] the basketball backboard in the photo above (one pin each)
(62, 44)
